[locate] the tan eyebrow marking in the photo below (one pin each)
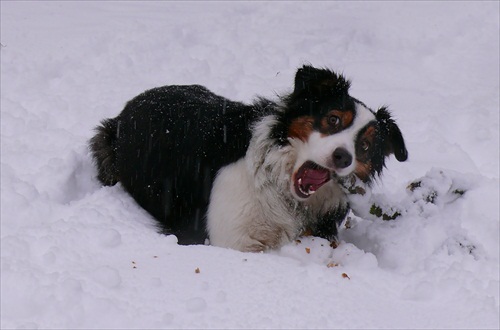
(301, 128)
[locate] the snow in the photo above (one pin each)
(78, 255)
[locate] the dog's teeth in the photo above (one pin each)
(302, 191)
(299, 181)
(310, 192)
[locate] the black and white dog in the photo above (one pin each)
(252, 177)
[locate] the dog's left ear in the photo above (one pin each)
(311, 80)
(394, 142)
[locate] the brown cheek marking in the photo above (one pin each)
(364, 166)
(301, 128)
(369, 135)
(363, 171)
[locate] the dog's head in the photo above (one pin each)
(333, 133)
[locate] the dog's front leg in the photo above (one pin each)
(327, 224)
(363, 203)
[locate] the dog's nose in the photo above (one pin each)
(341, 158)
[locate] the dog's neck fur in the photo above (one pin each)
(272, 165)
(260, 212)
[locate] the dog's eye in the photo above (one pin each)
(334, 120)
(365, 145)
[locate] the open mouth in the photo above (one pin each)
(309, 178)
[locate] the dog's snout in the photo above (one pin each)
(341, 158)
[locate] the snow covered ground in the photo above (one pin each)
(77, 255)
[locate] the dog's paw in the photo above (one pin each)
(436, 187)
(363, 203)
(386, 213)
(352, 185)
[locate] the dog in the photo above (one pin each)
(251, 177)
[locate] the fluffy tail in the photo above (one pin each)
(102, 147)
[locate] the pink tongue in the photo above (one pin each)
(309, 178)
(315, 177)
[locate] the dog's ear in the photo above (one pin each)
(310, 80)
(394, 142)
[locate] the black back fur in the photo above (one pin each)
(166, 147)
